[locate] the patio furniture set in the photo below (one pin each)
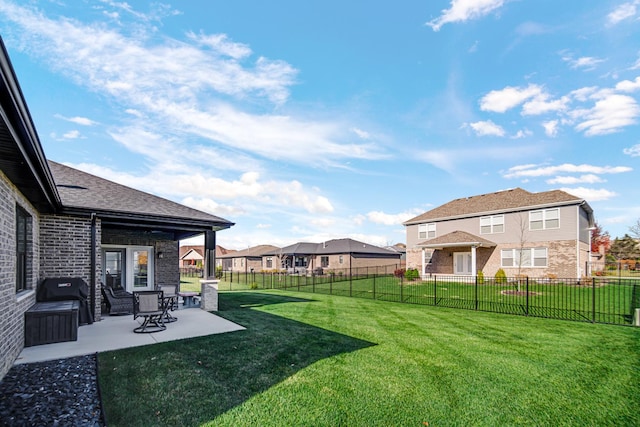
(154, 307)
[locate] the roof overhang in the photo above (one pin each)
(21, 156)
(456, 245)
(180, 228)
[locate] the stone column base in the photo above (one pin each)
(209, 294)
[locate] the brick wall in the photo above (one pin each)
(66, 250)
(12, 305)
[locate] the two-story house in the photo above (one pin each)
(533, 234)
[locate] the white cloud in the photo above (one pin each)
(221, 44)
(532, 170)
(379, 217)
(633, 151)
(572, 180)
(487, 128)
(500, 101)
(263, 226)
(522, 134)
(212, 207)
(628, 85)
(550, 128)
(77, 120)
(585, 62)
(192, 88)
(622, 12)
(541, 104)
(464, 10)
(361, 133)
(608, 115)
(590, 194)
(72, 134)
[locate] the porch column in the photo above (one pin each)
(209, 254)
(473, 260)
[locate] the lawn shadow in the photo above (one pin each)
(193, 381)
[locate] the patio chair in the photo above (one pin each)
(119, 302)
(170, 293)
(149, 304)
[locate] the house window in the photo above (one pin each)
(544, 219)
(324, 261)
(340, 259)
(269, 262)
(22, 241)
(492, 224)
(427, 231)
(527, 257)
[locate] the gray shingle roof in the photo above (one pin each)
(335, 246)
(83, 191)
(501, 201)
(255, 251)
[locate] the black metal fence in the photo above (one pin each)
(611, 300)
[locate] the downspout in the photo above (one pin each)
(92, 266)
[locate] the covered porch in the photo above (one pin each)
(455, 253)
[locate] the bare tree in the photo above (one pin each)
(523, 228)
(635, 229)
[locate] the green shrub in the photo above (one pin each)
(253, 285)
(480, 277)
(501, 277)
(411, 274)
(219, 272)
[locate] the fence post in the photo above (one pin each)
(476, 292)
(350, 283)
(374, 286)
(435, 290)
(593, 299)
(526, 310)
(401, 291)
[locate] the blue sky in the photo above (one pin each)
(306, 121)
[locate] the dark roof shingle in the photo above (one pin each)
(507, 200)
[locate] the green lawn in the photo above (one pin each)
(317, 360)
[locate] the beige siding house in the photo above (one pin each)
(247, 260)
(533, 234)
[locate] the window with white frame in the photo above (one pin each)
(527, 257)
(324, 261)
(492, 224)
(427, 231)
(544, 219)
(340, 259)
(269, 262)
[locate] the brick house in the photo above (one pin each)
(56, 221)
(336, 254)
(533, 234)
(246, 260)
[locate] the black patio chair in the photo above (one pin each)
(150, 305)
(118, 301)
(170, 296)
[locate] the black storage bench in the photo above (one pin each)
(50, 322)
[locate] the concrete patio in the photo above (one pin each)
(116, 332)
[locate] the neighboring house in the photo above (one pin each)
(534, 234)
(192, 256)
(246, 260)
(56, 221)
(337, 254)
